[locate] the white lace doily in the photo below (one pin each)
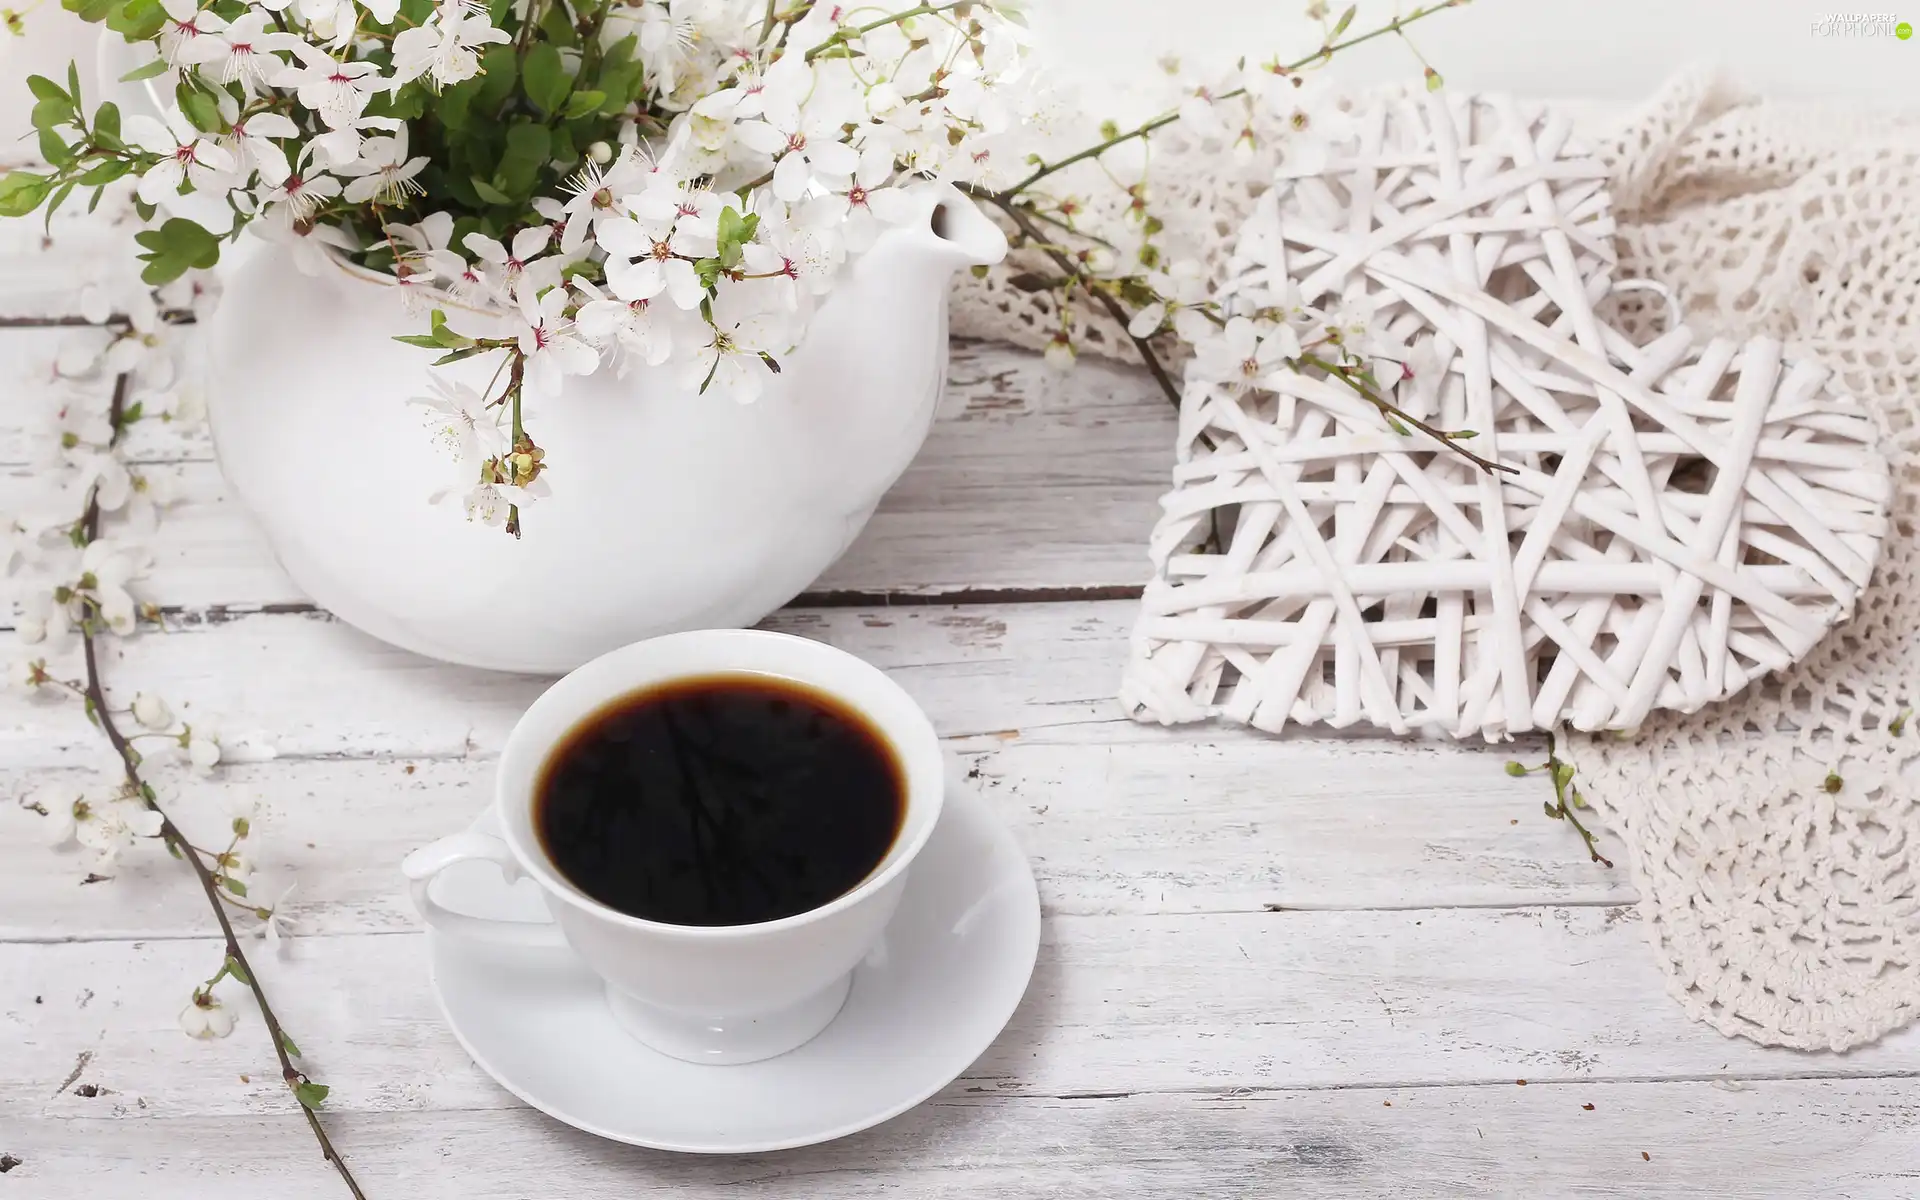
(1775, 838)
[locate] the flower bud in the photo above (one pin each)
(600, 152)
(151, 711)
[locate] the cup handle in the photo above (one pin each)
(423, 864)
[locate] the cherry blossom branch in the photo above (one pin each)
(1566, 797)
(307, 1093)
(922, 10)
(1398, 417)
(1327, 50)
(1023, 220)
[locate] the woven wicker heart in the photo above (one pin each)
(1674, 519)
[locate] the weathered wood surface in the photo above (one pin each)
(1852, 1138)
(1270, 967)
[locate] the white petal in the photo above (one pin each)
(485, 247)
(1147, 321)
(833, 158)
(635, 281)
(531, 241)
(148, 134)
(683, 284)
(162, 181)
(791, 177)
(891, 205)
(876, 164)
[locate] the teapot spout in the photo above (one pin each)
(953, 230)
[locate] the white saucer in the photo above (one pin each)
(941, 985)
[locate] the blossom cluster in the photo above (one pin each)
(671, 183)
(76, 561)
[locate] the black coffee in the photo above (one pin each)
(723, 800)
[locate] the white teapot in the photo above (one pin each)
(669, 510)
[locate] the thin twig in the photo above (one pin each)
(1394, 412)
(1566, 798)
(177, 841)
(1326, 51)
(847, 35)
(1024, 222)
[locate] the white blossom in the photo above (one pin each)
(728, 359)
(550, 344)
(276, 927)
(383, 172)
(517, 271)
(1246, 352)
(461, 423)
(188, 32)
(255, 143)
(110, 828)
(444, 47)
(858, 208)
(242, 52)
(637, 328)
(808, 151)
(151, 711)
(206, 1018)
(187, 156)
(336, 89)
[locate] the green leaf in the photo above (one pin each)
(1346, 19)
(157, 67)
(54, 148)
(135, 20)
(73, 83)
(22, 191)
(53, 206)
(489, 193)
(455, 356)
(444, 336)
(544, 77)
(581, 103)
(422, 340)
(46, 89)
(105, 171)
(89, 10)
(708, 269)
(173, 249)
(621, 52)
(192, 242)
(143, 210)
(559, 30)
(286, 1043)
(50, 114)
(311, 1095)
(106, 123)
(233, 885)
(199, 107)
(528, 148)
(564, 149)
(501, 67)
(732, 235)
(129, 416)
(237, 971)
(455, 102)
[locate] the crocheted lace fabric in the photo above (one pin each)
(1774, 838)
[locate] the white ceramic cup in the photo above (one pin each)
(713, 994)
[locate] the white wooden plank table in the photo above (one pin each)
(1269, 967)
